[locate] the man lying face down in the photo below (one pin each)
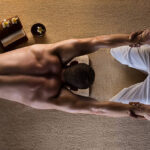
(37, 76)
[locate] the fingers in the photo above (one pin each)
(135, 45)
(147, 117)
(146, 35)
(137, 105)
(134, 38)
(133, 115)
(133, 35)
(134, 103)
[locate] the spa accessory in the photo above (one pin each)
(11, 33)
(38, 29)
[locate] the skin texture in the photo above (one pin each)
(33, 76)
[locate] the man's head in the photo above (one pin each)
(79, 76)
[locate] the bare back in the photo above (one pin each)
(36, 62)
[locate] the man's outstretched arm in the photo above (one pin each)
(36, 92)
(71, 103)
(69, 49)
(33, 59)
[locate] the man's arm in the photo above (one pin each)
(36, 92)
(71, 103)
(69, 49)
(32, 59)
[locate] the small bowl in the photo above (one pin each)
(38, 29)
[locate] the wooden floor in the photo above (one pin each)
(22, 128)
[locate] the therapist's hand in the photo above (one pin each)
(140, 37)
(142, 110)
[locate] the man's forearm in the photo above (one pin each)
(107, 108)
(109, 41)
(110, 109)
(86, 105)
(113, 109)
(77, 47)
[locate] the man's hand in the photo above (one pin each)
(140, 38)
(141, 110)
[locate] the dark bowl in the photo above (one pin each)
(38, 29)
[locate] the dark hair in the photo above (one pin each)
(79, 76)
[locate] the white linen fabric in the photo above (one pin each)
(138, 58)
